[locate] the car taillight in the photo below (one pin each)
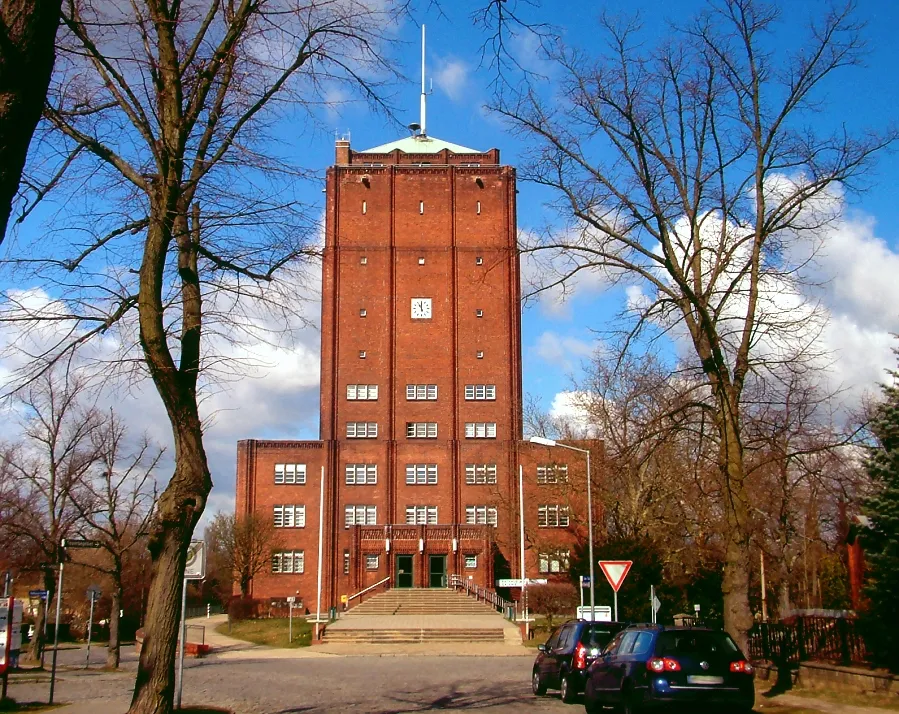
(742, 667)
(663, 664)
(580, 657)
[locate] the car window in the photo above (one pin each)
(612, 647)
(566, 638)
(700, 644)
(553, 639)
(627, 643)
(642, 643)
(598, 635)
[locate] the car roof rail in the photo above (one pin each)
(645, 626)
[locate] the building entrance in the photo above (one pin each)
(404, 577)
(437, 571)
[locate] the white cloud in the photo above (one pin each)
(451, 78)
(567, 409)
(562, 351)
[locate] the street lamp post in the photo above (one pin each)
(551, 442)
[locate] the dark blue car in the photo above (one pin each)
(648, 666)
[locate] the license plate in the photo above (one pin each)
(704, 679)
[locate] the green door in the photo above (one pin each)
(404, 571)
(437, 571)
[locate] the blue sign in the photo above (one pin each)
(38, 593)
(585, 581)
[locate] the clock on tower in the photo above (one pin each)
(421, 308)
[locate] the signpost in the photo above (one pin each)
(290, 602)
(601, 613)
(194, 569)
(616, 571)
(654, 603)
(93, 594)
(42, 594)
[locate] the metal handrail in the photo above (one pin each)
(491, 596)
(370, 587)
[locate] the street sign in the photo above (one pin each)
(195, 567)
(537, 581)
(42, 594)
(93, 592)
(80, 543)
(656, 604)
(603, 613)
(291, 599)
(510, 583)
(615, 571)
(585, 581)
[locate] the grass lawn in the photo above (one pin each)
(272, 632)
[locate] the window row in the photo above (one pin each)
(479, 354)
(479, 260)
(290, 473)
(420, 392)
(480, 430)
(418, 474)
(289, 561)
(419, 430)
(419, 515)
(367, 474)
(552, 516)
(556, 562)
(552, 473)
(290, 516)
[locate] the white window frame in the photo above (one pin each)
(552, 473)
(290, 474)
(555, 562)
(471, 562)
(480, 430)
(360, 516)
(360, 474)
(480, 392)
(362, 430)
(372, 562)
(289, 516)
(289, 562)
(361, 392)
(421, 392)
(553, 515)
(421, 515)
(481, 515)
(421, 429)
(478, 474)
(421, 474)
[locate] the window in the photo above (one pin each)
(471, 562)
(363, 260)
(480, 392)
(552, 516)
(556, 562)
(479, 313)
(421, 261)
(290, 516)
(364, 208)
(421, 515)
(360, 516)
(479, 354)
(361, 354)
(420, 392)
(479, 213)
(363, 312)
(290, 473)
(421, 474)
(289, 561)
(361, 429)
(480, 474)
(371, 562)
(479, 260)
(346, 562)
(480, 430)
(361, 392)
(480, 515)
(361, 474)
(421, 204)
(552, 473)
(421, 429)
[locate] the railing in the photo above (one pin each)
(799, 639)
(506, 607)
(367, 590)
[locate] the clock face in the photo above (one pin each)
(421, 308)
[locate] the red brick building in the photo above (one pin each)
(421, 401)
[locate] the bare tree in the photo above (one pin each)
(53, 456)
(115, 504)
(687, 169)
(241, 546)
(161, 109)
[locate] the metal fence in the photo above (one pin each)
(201, 610)
(800, 639)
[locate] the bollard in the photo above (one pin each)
(208, 610)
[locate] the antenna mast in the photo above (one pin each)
(424, 95)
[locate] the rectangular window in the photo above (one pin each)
(480, 392)
(421, 429)
(471, 562)
(480, 515)
(290, 516)
(361, 430)
(480, 430)
(360, 516)
(289, 561)
(364, 208)
(361, 392)
(421, 474)
(552, 473)
(361, 474)
(556, 562)
(346, 562)
(290, 473)
(421, 392)
(421, 515)
(480, 474)
(371, 562)
(552, 516)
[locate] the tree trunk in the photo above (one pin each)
(112, 652)
(27, 37)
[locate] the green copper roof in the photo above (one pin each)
(420, 145)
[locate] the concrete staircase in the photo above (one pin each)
(412, 636)
(422, 601)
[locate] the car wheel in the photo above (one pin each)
(628, 704)
(567, 690)
(537, 684)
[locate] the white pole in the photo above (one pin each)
(582, 591)
(524, 577)
(321, 527)
(180, 689)
(652, 603)
(290, 622)
(424, 96)
(590, 544)
(62, 558)
(615, 592)
(90, 627)
(764, 599)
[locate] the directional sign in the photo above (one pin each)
(616, 571)
(510, 583)
(38, 593)
(585, 581)
(602, 613)
(656, 604)
(80, 543)
(94, 592)
(195, 567)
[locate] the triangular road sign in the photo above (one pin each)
(615, 571)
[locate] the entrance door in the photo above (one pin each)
(437, 571)
(404, 571)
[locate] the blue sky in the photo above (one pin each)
(863, 295)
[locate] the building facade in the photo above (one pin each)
(416, 473)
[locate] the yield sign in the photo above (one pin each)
(615, 571)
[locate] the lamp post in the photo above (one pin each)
(551, 442)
